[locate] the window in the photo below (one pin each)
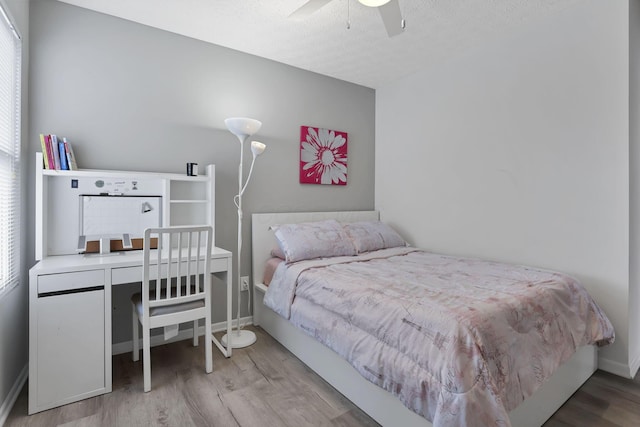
(10, 69)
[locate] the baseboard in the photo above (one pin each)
(634, 366)
(127, 346)
(616, 368)
(7, 405)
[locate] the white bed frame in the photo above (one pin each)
(375, 401)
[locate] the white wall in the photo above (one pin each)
(133, 97)
(14, 339)
(519, 152)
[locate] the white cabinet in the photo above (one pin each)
(67, 339)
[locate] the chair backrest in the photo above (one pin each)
(178, 271)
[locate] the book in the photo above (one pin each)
(45, 158)
(56, 152)
(64, 165)
(51, 162)
(71, 158)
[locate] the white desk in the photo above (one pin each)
(70, 322)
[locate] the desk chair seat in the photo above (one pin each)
(136, 300)
(176, 288)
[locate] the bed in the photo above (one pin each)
(382, 405)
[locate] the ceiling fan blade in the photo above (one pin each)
(391, 17)
(308, 8)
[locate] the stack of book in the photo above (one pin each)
(57, 153)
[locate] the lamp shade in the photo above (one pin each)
(374, 3)
(242, 126)
(257, 148)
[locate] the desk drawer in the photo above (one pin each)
(134, 274)
(70, 281)
(218, 264)
(126, 275)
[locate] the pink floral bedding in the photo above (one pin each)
(459, 341)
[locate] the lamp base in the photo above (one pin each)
(240, 339)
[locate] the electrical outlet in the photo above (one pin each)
(244, 283)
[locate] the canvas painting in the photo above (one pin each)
(323, 156)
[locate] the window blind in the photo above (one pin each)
(10, 76)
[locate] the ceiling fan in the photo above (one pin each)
(389, 12)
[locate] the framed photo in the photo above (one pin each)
(323, 156)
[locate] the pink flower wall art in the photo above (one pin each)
(323, 156)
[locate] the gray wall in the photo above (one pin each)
(131, 97)
(14, 337)
(519, 151)
(634, 186)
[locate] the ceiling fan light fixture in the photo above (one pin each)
(374, 3)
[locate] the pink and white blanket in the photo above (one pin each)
(459, 341)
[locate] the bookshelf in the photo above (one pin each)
(185, 200)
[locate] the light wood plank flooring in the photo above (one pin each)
(265, 385)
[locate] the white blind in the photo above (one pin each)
(10, 65)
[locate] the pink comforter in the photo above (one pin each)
(459, 341)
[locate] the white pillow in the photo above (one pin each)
(370, 236)
(309, 240)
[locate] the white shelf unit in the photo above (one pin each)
(186, 200)
(189, 201)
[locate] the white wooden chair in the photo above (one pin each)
(176, 288)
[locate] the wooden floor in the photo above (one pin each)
(605, 400)
(265, 385)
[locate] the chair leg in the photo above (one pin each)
(195, 333)
(135, 335)
(146, 357)
(208, 346)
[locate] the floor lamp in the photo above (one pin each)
(243, 128)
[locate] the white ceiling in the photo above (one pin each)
(363, 54)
